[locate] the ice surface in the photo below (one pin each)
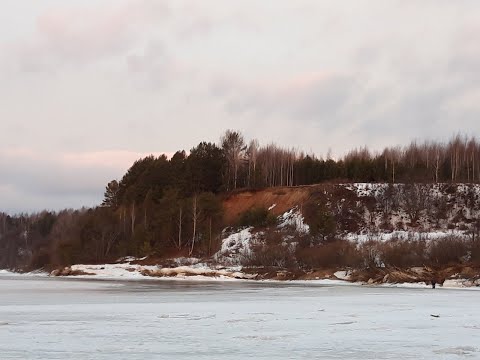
(52, 318)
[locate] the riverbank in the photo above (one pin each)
(194, 269)
(191, 268)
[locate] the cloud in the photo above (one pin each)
(307, 97)
(74, 36)
(81, 78)
(372, 86)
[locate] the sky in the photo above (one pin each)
(89, 86)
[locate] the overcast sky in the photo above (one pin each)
(88, 86)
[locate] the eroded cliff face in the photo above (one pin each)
(380, 232)
(363, 208)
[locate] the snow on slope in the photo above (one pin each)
(294, 219)
(236, 246)
(441, 210)
(404, 235)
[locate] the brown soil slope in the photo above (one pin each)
(284, 198)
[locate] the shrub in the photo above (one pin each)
(271, 251)
(39, 259)
(370, 254)
(320, 220)
(334, 254)
(447, 251)
(475, 252)
(403, 253)
(257, 217)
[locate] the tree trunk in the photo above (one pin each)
(210, 236)
(132, 218)
(195, 214)
(180, 228)
(145, 218)
(393, 172)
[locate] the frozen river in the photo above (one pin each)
(76, 319)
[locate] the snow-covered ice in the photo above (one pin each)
(52, 318)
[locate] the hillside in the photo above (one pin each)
(371, 208)
(371, 233)
(286, 208)
(278, 200)
(382, 232)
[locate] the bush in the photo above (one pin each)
(320, 220)
(448, 251)
(40, 259)
(258, 217)
(475, 255)
(370, 254)
(271, 251)
(334, 254)
(403, 253)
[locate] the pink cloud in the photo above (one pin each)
(77, 35)
(118, 159)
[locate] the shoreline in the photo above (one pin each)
(137, 276)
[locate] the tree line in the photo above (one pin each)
(174, 205)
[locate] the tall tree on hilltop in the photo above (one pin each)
(133, 176)
(178, 168)
(204, 168)
(111, 195)
(233, 145)
(252, 155)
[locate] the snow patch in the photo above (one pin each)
(119, 270)
(236, 246)
(127, 271)
(182, 261)
(130, 258)
(342, 275)
(404, 235)
(293, 218)
(4, 272)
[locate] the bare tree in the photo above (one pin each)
(454, 150)
(233, 145)
(195, 217)
(252, 155)
(392, 158)
(415, 199)
(179, 223)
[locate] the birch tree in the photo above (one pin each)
(233, 145)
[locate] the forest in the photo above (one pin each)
(169, 206)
